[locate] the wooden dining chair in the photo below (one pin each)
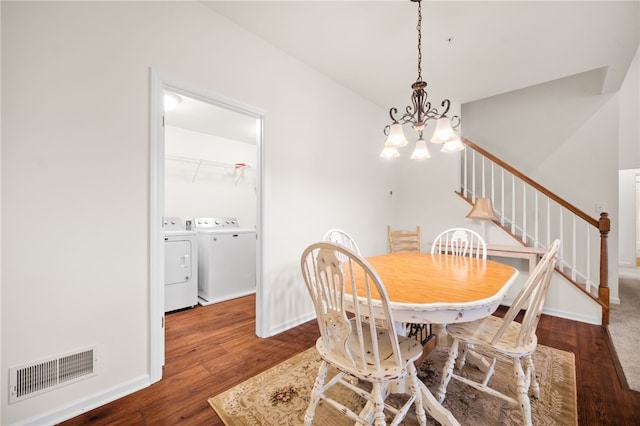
(505, 340)
(404, 240)
(350, 339)
(342, 238)
(460, 242)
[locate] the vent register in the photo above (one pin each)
(33, 379)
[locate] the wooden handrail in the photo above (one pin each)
(536, 185)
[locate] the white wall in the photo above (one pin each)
(629, 154)
(628, 217)
(201, 180)
(629, 163)
(76, 152)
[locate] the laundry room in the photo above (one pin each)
(210, 202)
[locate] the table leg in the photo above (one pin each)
(440, 330)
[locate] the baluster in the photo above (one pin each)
(493, 182)
(473, 177)
(536, 219)
(548, 222)
(483, 179)
(513, 204)
(573, 248)
(561, 255)
(589, 282)
(466, 174)
(502, 195)
(524, 212)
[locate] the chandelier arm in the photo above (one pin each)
(392, 113)
(446, 104)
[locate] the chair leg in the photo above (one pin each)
(489, 373)
(378, 405)
(535, 387)
(522, 391)
(447, 371)
(414, 388)
(462, 357)
(315, 394)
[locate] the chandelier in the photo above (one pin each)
(418, 114)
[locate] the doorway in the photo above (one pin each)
(232, 112)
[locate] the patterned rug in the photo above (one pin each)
(279, 396)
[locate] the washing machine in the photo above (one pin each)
(226, 259)
(180, 265)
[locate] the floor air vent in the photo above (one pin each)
(35, 378)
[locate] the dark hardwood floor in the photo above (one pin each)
(210, 349)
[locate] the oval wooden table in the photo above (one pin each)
(441, 289)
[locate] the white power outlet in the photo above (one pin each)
(600, 207)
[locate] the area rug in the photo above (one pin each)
(624, 325)
(279, 396)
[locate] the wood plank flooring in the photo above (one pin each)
(210, 349)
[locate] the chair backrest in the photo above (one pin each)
(531, 297)
(460, 242)
(349, 329)
(340, 237)
(404, 240)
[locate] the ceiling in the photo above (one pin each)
(471, 49)
(193, 114)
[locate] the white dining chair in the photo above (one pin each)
(342, 238)
(505, 340)
(460, 242)
(350, 339)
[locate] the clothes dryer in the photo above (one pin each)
(180, 266)
(226, 259)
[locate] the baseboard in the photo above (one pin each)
(86, 404)
(291, 324)
(589, 319)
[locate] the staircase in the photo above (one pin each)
(535, 216)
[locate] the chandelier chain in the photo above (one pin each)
(419, 28)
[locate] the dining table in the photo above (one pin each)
(441, 289)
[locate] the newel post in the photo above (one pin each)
(604, 225)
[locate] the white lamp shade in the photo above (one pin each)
(453, 145)
(443, 131)
(389, 152)
(420, 152)
(396, 136)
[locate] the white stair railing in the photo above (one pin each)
(536, 216)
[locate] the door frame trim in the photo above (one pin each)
(159, 82)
